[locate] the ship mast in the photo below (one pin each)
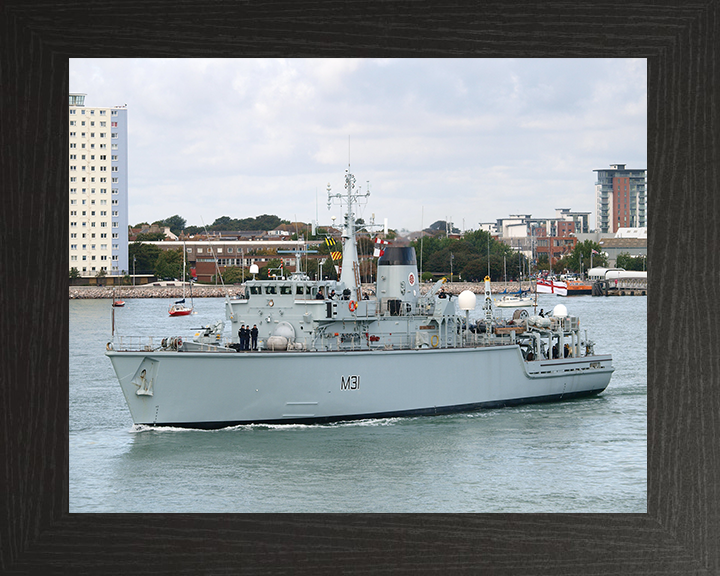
(350, 272)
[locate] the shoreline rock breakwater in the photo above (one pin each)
(150, 291)
(127, 292)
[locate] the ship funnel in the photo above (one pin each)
(398, 287)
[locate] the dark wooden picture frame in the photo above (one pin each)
(680, 534)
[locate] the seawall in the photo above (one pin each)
(200, 291)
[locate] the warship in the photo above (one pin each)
(328, 350)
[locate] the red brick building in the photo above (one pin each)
(555, 247)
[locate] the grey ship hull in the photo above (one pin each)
(215, 390)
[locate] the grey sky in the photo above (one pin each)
(469, 139)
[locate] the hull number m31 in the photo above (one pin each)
(349, 383)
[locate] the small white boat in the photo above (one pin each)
(514, 302)
(179, 308)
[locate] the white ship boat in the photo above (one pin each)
(398, 353)
(179, 308)
(511, 301)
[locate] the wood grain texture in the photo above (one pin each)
(680, 534)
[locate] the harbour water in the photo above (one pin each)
(586, 455)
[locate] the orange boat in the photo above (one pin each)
(578, 287)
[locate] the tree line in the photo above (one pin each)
(178, 224)
(471, 257)
(477, 254)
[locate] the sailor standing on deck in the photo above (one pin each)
(241, 337)
(254, 335)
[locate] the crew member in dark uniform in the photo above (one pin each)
(254, 335)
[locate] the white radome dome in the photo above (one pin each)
(467, 300)
(560, 311)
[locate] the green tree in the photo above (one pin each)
(579, 258)
(192, 230)
(470, 256)
(222, 223)
(562, 264)
(176, 224)
(637, 263)
(475, 270)
(262, 222)
(543, 263)
(234, 275)
(146, 256)
(169, 264)
(581, 254)
(74, 273)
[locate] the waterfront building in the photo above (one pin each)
(204, 257)
(621, 198)
(98, 189)
(553, 237)
(631, 245)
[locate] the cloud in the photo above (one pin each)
(469, 138)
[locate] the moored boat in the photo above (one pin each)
(578, 287)
(179, 308)
(510, 301)
(397, 352)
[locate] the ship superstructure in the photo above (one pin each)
(329, 350)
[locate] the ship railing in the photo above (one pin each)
(567, 323)
(474, 340)
(137, 343)
(332, 343)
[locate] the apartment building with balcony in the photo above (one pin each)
(98, 188)
(621, 198)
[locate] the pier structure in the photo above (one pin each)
(620, 287)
